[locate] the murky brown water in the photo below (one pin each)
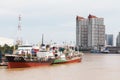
(93, 67)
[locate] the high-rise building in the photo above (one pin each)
(109, 39)
(81, 32)
(118, 40)
(90, 32)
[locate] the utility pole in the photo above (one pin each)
(19, 39)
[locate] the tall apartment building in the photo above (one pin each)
(118, 40)
(90, 32)
(109, 39)
(81, 32)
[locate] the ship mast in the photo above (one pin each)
(42, 40)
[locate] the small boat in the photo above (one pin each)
(3, 64)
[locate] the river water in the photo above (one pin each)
(92, 67)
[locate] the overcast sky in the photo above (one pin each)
(56, 19)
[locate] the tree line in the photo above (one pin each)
(6, 49)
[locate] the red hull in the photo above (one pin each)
(75, 60)
(26, 64)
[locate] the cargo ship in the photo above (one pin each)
(43, 59)
(15, 61)
(26, 57)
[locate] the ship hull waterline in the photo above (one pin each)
(26, 64)
(68, 61)
(35, 64)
